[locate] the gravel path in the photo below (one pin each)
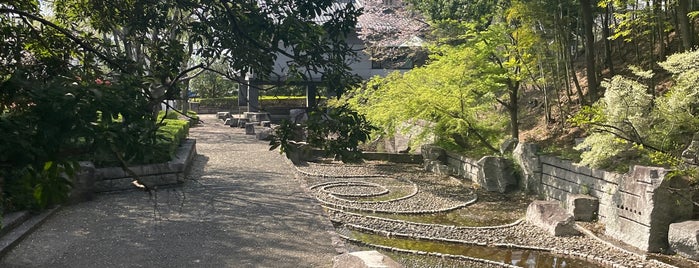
(242, 207)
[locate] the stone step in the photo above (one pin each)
(19, 226)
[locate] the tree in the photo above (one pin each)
(628, 123)
(89, 78)
(454, 96)
(214, 83)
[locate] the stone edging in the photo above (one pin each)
(329, 185)
(167, 173)
(429, 211)
(589, 257)
(336, 176)
(413, 193)
(430, 224)
(434, 254)
(575, 254)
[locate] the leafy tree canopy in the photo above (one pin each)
(629, 123)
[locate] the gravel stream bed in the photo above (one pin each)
(435, 193)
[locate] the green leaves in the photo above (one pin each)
(631, 125)
(336, 130)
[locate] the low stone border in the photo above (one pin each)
(589, 257)
(426, 211)
(326, 189)
(429, 224)
(433, 254)
(413, 193)
(336, 176)
(108, 179)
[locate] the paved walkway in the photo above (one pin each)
(243, 207)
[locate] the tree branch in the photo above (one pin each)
(68, 34)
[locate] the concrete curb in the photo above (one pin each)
(20, 227)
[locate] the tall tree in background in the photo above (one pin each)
(590, 62)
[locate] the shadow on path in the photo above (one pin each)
(241, 207)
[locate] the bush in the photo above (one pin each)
(226, 102)
(170, 136)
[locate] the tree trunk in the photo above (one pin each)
(514, 109)
(607, 42)
(588, 24)
(684, 24)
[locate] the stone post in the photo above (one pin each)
(253, 94)
(311, 92)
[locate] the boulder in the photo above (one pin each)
(583, 207)
(496, 174)
(550, 216)
(684, 239)
(364, 259)
(526, 156)
(433, 152)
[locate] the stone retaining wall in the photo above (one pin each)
(636, 207)
(95, 180)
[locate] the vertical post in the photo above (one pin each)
(243, 93)
(311, 92)
(253, 94)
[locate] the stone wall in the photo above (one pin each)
(494, 174)
(636, 207)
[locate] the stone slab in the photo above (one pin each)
(684, 239)
(550, 216)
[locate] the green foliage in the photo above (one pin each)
(464, 105)
(170, 135)
(37, 187)
(336, 130)
(225, 102)
(630, 125)
(213, 85)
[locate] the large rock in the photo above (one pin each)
(496, 174)
(364, 259)
(433, 152)
(526, 156)
(583, 207)
(684, 239)
(550, 216)
(435, 159)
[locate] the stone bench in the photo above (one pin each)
(223, 115)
